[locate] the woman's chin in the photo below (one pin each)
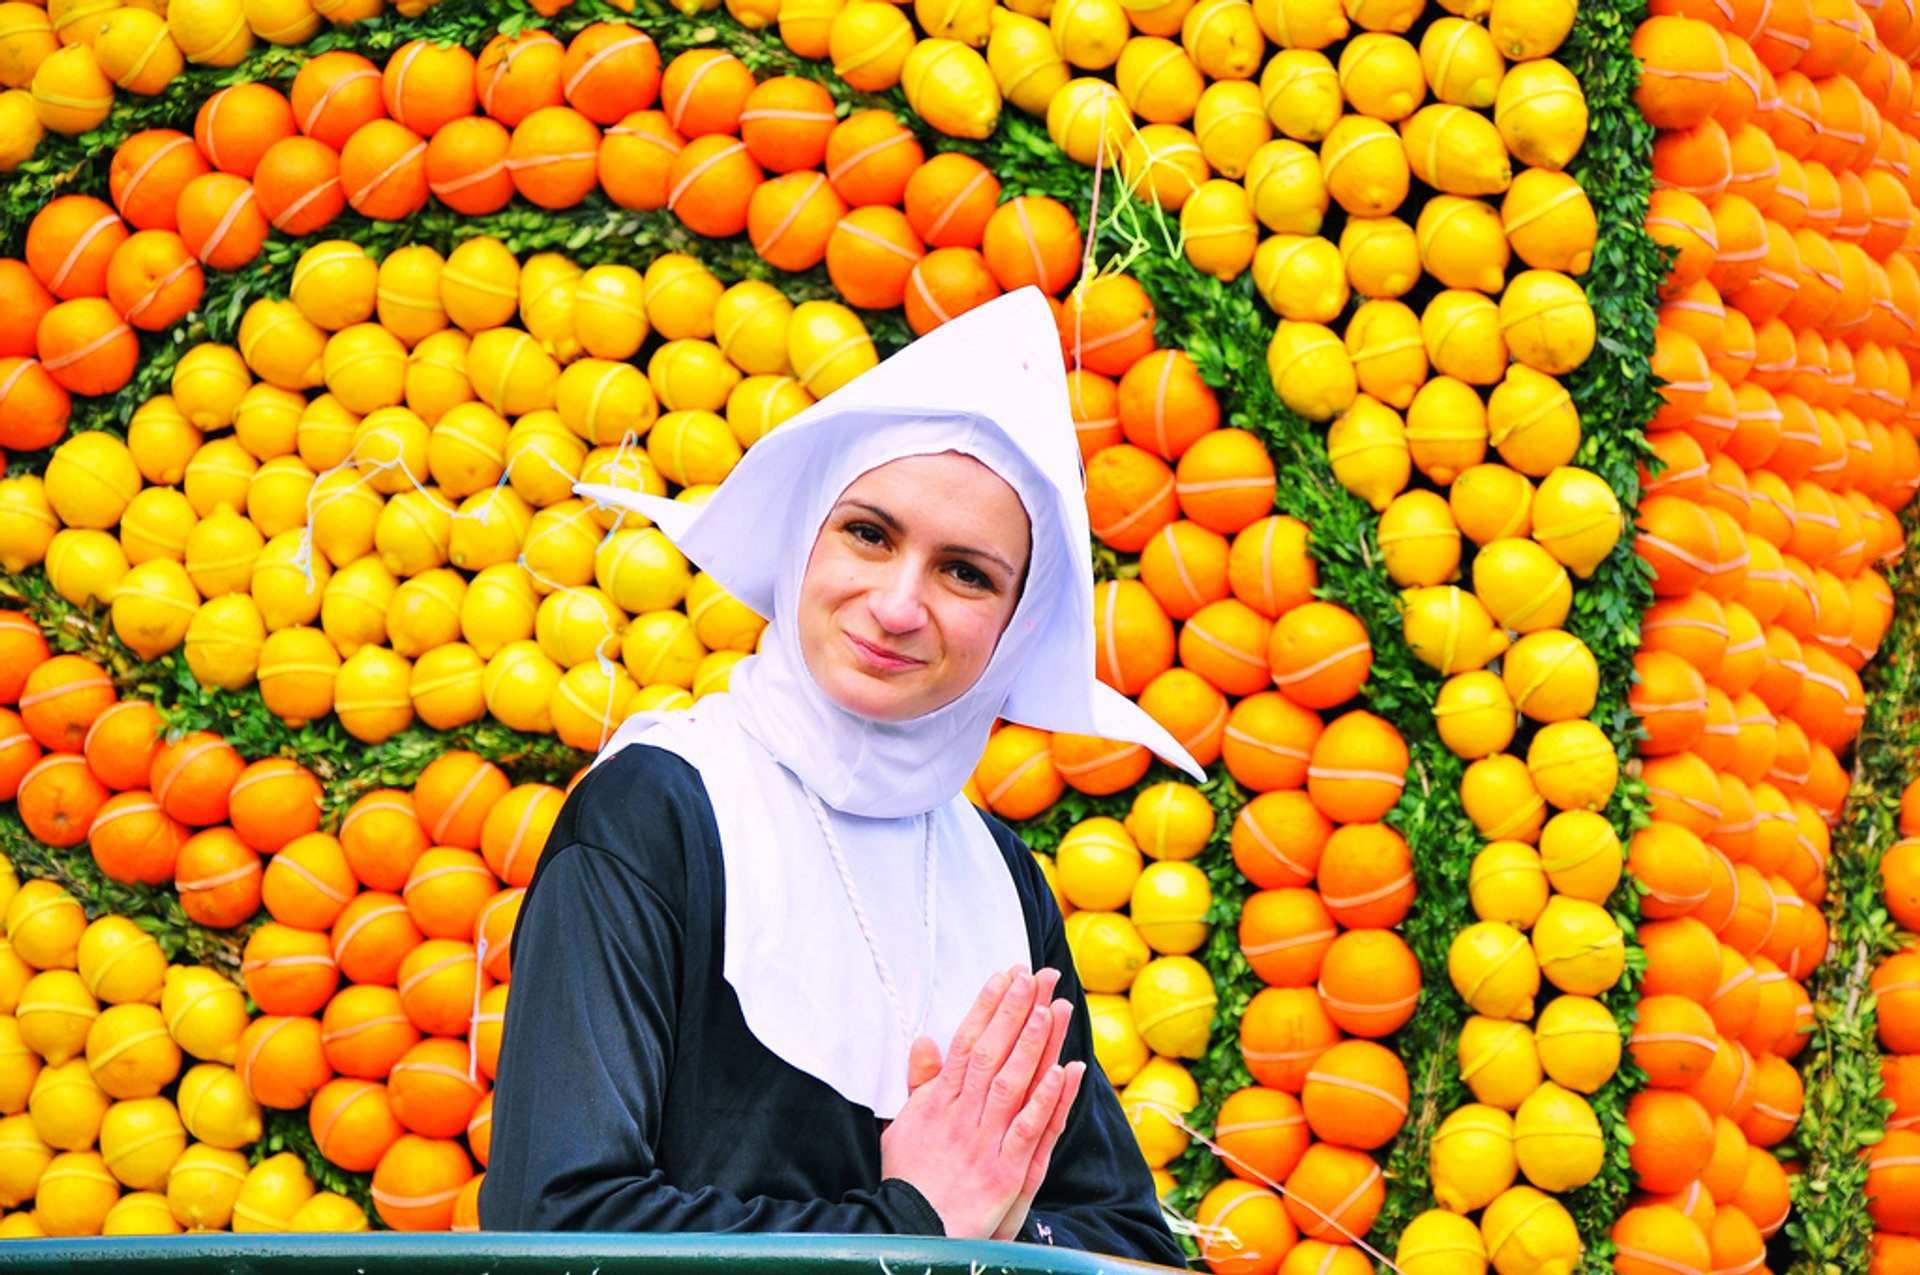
(880, 699)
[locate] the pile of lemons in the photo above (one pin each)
(121, 1112)
(366, 504)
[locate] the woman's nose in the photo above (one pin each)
(896, 601)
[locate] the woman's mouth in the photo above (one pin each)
(879, 658)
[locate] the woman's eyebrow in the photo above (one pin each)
(893, 524)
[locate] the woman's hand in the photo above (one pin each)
(979, 1126)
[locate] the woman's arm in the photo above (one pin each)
(588, 1047)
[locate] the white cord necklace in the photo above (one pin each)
(908, 1028)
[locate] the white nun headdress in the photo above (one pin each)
(990, 385)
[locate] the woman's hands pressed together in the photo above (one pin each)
(978, 1130)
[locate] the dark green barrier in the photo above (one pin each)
(384, 1253)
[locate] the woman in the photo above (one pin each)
(772, 972)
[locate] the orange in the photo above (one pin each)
(69, 243)
(297, 184)
(193, 777)
(1185, 567)
(272, 802)
(382, 836)
(636, 156)
(466, 165)
(1763, 1196)
(365, 1031)
(133, 840)
(34, 408)
(1671, 863)
(149, 170)
(1269, 567)
(493, 932)
(785, 123)
(1356, 1095)
(1033, 239)
(950, 200)
(1683, 959)
(431, 1090)
(1133, 638)
(415, 1183)
(1685, 71)
(453, 796)
(439, 980)
(870, 156)
(1191, 709)
(1107, 324)
(1697, 160)
(1166, 408)
(516, 75)
(1358, 768)
(352, 1123)
(218, 879)
(372, 936)
(1269, 742)
(1130, 496)
(1226, 480)
(1283, 1033)
(704, 91)
(1778, 1098)
(26, 299)
(1247, 1230)
(334, 94)
(446, 890)
(791, 218)
(610, 71)
(1226, 643)
(281, 1061)
(308, 883)
(427, 86)
(1335, 1193)
(1896, 984)
(221, 221)
(1673, 1139)
(553, 157)
(122, 742)
(1015, 775)
(1285, 934)
(288, 971)
(85, 347)
(1278, 839)
(1369, 982)
(239, 124)
(383, 171)
(61, 699)
(945, 284)
(59, 798)
(1319, 655)
(515, 831)
(1674, 1041)
(1262, 1133)
(1658, 1239)
(871, 254)
(1098, 767)
(711, 183)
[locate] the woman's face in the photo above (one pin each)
(912, 580)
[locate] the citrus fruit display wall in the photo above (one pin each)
(1498, 428)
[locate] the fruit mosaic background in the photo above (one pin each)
(1499, 431)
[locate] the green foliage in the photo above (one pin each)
(1845, 1111)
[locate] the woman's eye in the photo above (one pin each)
(972, 576)
(866, 533)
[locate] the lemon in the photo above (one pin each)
(590, 702)
(140, 1139)
(1217, 230)
(448, 686)
(153, 605)
(759, 404)
(496, 608)
(1169, 907)
(223, 641)
(630, 469)
(660, 699)
(220, 553)
(371, 694)
(722, 622)
(1389, 356)
(1163, 163)
(951, 88)
(1381, 76)
(1086, 118)
(19, 1068)
(488, 529)
(1173, 999)
(1230, 123)
(1382, 256)
(1311, 371)
(604, 402)
(217, 1108)
(1456, 150)
(578, 626)
(560, 544)
(1117, 1045)
(85, 566)
(437, 374)
(1223, 38)
(467, 449)
(1580, 853)
(681, 294)
(1475, 715)
(428, 610)
(691, 374)
(1557, 1139)
(1574, 765)
(1579, 1042)
(27, 523)
(221, 470)
(289, 580)
(390, 449)
(1286, 188)
(1302, 24)
(547, 284)
(1463, 334)
(519, 686)
(1547, 322)
(1541, 113)
(267, 421)
(1532, 421)
(21, 127)
(1494, 970)
(1449, 628)
(1156, 1102)
(1301, 277)
(408, 293)
(140, 1213)
(1506, 882)
(1300, 91)
(335, 285)
(67, 1106)
(210, 32)
(414, 532)
(120, 963)
(208, 384)
(1446, 429)
(1365, 166)
(90, 479)
(1500, 798)
(273, 1192)
(203, 1185)
(161, 440)
(480, 284)
(1462, 64)
(1419, 543)
(44, 924)
(1550, 223)
(1491, 502)
(827, 343)
(544, 458)
(365, 367)
(74, 1194)
(1579, 946)
(326, 430)
(1471, 1157)
(157, 524)
(609, 311)
(298, 667)
(660, 648)
(1522, 586)
(641, 570)
(353, 608)
(1098, 864)
(329, 1213)
(1576, 519)
(205, 1012)
(1367, 447)
(1441, 1243)
(1108, 952)
(1528, 1232)
(1463, 243)
(1025, 61)
(1498, 1061)
(716, 669)
(24, 1155)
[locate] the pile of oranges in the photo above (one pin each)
(367, 506)
(1784, 171)
(1893, 1164)
(379, 973)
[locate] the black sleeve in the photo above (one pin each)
(589, 1036)
(1099, 1193)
